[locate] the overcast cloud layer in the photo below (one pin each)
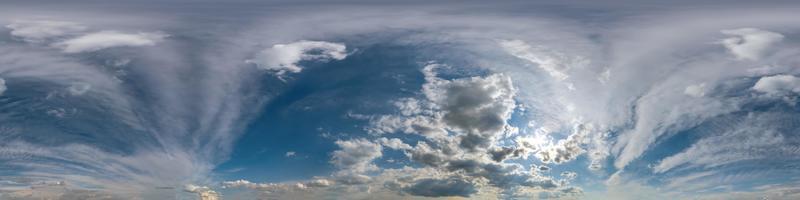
(383, 100)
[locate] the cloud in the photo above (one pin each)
(290, 154)
(3, 87)
(556, 64)
(567, 149)
(476, 107)
(84, 112)
(698, 90)
(442, 188)
(778, 84)
(750, 43)
(475, 112)
(195, 188)
(108, 39)
(394, 143)
(285, 57)
(41, 30)
(356, 155)
(79, 88)
(500, 154)
(754, 137)
(204, 192)
(279, 187)
(644, 61)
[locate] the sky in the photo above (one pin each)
(399, 100)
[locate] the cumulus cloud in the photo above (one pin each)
(285, 57)
(698, 90)
(204, 192)
(778, 84)
(41, 30)
(475, 112)
(394, 143)
(108, 39)
(750, 43)
(356, 155)
(478, 107)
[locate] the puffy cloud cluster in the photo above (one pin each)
(195, 188)
(698, 90)
(204, 192)
(750, 43)
(778, 84)
(463, 119)
(477, 108)
(355, 156)
(565, 150)
(394, 143)
(284, 58)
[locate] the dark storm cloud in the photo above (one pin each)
(442, 188)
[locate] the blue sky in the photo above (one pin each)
(414, 100)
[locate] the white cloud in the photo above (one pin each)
(778, 84)
(195, 188)
(754, 137)
(394, 143)
(285, 57)
(750, 43)
(356, 155)
(203, 192)
(290, 154)
(556, 64)
(78, 89)
(3, 87)
(698, 90)
(108, 39)
(277, 187)
(41, 30)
